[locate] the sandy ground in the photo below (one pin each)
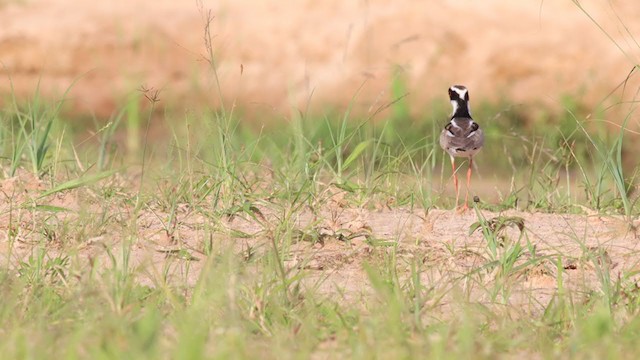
(273, 56)
(331, 244)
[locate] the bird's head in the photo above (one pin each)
(458, 93)
(459, 96)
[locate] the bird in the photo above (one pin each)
(461, 136)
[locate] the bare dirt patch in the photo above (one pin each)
(332, 246)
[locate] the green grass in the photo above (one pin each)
(247, 300)
(73, 284)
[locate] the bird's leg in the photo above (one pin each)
(455, 179)
(466, 197)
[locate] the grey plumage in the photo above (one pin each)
(461, 137)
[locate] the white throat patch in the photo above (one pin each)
(455, 107)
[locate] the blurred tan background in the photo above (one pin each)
(274, 56)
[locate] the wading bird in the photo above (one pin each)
(461, 137)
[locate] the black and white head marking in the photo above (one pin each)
(459, 96)
(461, 92)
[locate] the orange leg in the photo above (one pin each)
(466, 197)
(455, 180)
